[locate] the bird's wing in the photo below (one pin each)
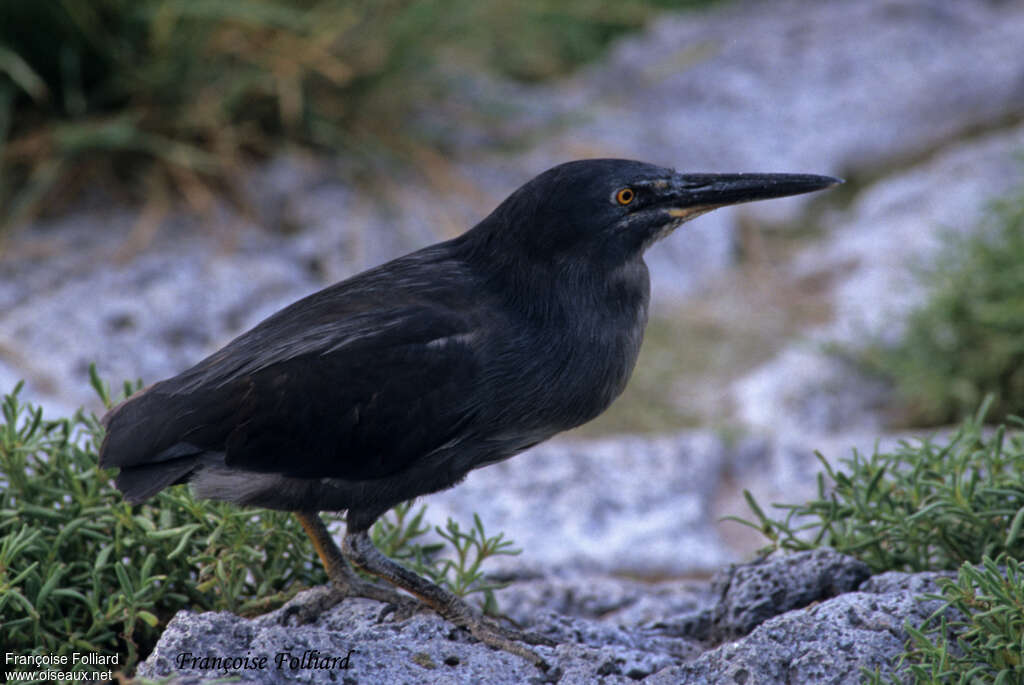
(358, 398)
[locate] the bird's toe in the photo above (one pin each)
(308, 606)
(527, 636)
(510, 640)
(401, 608)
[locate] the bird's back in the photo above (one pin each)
(313, 389)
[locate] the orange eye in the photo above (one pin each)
(625, 196)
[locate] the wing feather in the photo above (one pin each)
(355, 382)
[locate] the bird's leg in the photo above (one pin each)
(359, 549)
(344, 582)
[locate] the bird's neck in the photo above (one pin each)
(583, 319)
(590, 329)
(544, 287)
(571, 290)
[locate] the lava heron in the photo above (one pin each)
(400, 380)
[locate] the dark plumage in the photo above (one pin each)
(400, 380)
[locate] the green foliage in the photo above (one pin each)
(967, 340)
(923, 506)
(462, 574)
(82, 570)
(932, 506)
(170, 95)
(981, 640)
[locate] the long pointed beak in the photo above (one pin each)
(690, 194)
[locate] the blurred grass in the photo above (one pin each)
(158, 95)
(967, 339)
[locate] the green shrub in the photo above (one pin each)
(82, 570)
(165, 95)
(924, 506)
(977, 636)
(967, 340)
(932, 505)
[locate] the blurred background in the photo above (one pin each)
(172, 172)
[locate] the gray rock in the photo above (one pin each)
(827, 643)
(848, 88)
(148, 318)
(750, 594)
(851, 86)
(619, 601)
(747, 595)
(806, 390)
(602, 638)
(900, 223)
(418, 649)
(922, 583)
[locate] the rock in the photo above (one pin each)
(851, 89)
(147, 319)
(825, 644)
(899, 224)
(805, 390)
(826, 86)
(914, 583)
(614, 600)
(745, 596)
(750, 594)
(421, 648)
(603, 637)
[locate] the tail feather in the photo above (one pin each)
(131, 438)
(155, 425)
(158, 438)
(139, 483)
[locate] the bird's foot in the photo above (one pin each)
(527, 636)
(344, 581)
(402, 606)
(510, 640)
(312, 604)
(360, 551)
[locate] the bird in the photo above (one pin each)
(397, 382)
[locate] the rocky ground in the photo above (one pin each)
(920, 105)
(811, 617)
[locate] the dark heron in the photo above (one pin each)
(400, 380)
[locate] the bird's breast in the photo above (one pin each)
(577, 363)
(597, 365)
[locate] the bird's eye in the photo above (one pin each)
(625, 196)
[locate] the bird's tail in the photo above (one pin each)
(139, 483)
(144, 439)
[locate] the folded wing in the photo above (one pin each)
(352, 395)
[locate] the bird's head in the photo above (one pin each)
(616, 208)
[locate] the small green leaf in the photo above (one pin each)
(148, 618)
